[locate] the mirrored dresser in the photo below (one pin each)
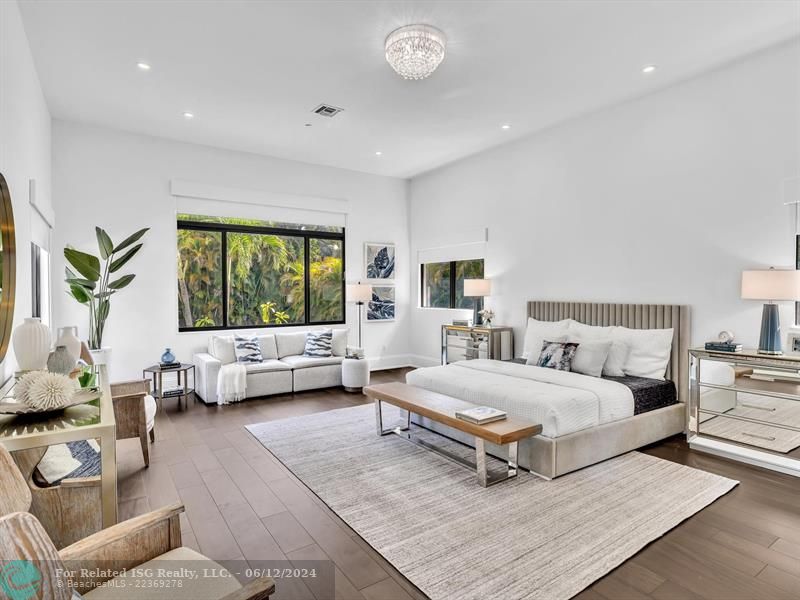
(746, 406)
(468, 343)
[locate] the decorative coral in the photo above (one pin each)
(50, 391)
(24, 383)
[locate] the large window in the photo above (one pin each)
(442, 283)
(240, 273)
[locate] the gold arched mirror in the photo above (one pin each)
(8, 264)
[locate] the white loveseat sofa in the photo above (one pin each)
(283, 370)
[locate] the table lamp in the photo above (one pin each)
(359, 293)
(771, 286)
(477, 288)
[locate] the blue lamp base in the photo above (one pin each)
(770, 341)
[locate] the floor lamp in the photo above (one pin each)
(359, 293)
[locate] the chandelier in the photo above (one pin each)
(414, 51)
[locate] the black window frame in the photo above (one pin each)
(453, 285)
(306, 234)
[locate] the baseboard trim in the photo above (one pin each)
(394, 361)
(417, 360)
(750, 456)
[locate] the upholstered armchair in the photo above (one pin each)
(129, 553)
(135, 413)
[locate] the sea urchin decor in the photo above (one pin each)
(49, 391)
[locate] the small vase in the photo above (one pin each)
(168, 357)
(102, 356)
(68, 336)
(61, 361)
(31, 342)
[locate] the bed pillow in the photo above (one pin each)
(617, 352)
(537, 331)
(590, 357)
(649, 351)
(247, 349)
(319, 344)
(557, 355)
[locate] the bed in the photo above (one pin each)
(585, 419)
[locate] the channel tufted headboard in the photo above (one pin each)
(633, 316)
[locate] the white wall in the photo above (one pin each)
(121, 182)
(24, 148)
(664, 199)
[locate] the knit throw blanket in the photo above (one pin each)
(231, 383)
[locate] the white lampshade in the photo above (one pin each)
(772, 284)
(358, 292)
(477, 287)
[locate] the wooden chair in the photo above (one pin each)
(143, 544)
(68, 511)
(131, 399)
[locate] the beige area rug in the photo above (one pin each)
(523, 539)
(763, 408)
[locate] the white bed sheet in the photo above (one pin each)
(562, 402)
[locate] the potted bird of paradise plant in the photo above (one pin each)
(90, 281)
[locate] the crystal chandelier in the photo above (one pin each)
(414, 51)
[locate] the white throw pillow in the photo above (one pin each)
(617, 352)
(590, 357)
(536, 333)
(318, 344)
(649, 351)
(221, 348)
(247, 349)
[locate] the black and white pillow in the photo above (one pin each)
(557, 355)
(319, 343)
(247, 349)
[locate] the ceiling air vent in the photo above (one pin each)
(326, 110)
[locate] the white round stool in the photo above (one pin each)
(355, 374)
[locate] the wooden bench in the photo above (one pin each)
(442, 409)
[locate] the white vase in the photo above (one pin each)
(68, 336)
(31, 342)
(102, 356)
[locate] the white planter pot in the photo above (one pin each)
(102, 356)
(68, 336)
(31, 342)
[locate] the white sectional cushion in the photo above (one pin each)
(649, 351)
(539, 331)
(221, 347)
(267, 366)
(303, 362)
(339, 346)
(269, 349)
(290, 344)
(617, 352)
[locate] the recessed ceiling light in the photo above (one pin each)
(188, 115)
(143, 66)
(505, 126)
(307, 125)
(648, 68)
(378, 153)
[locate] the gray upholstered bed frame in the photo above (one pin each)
(551, 457)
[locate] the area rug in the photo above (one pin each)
(763, 408)
(523, 539)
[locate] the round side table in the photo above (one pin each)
(355, 374)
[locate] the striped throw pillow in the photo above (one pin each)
(247, 349)
(319, 343)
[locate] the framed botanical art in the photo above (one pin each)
(379, 262)
(382, 306)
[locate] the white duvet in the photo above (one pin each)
(562, 402)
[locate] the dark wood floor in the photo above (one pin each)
(242, 504)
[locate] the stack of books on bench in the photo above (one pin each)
(481, 415)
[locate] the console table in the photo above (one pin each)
(753, 415)
(467, 343)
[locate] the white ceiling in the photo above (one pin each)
(252, 71)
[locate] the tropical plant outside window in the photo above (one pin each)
(240, 273)
(442, 283)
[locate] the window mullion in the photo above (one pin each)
(452, 284)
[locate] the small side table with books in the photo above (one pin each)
(182, 390)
